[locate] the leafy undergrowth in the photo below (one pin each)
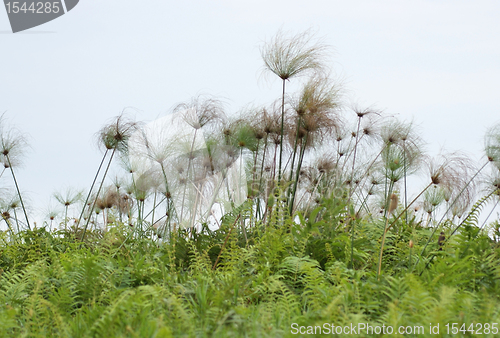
(117, 284)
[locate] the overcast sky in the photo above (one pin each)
(436, 62)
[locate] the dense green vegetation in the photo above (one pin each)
(286, 273)
(291, 216)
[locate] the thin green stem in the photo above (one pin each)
(354, 161)
(299, 165)
(154, 206)
(295, 147)
(17, 220)
(257, 212)
(382, 247)
(282, 129)
(91, 187)
(18, 191)
(404, 168)
(97, 195)
(187, 173)
(65, 217)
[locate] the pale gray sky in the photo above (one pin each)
(436, 62)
